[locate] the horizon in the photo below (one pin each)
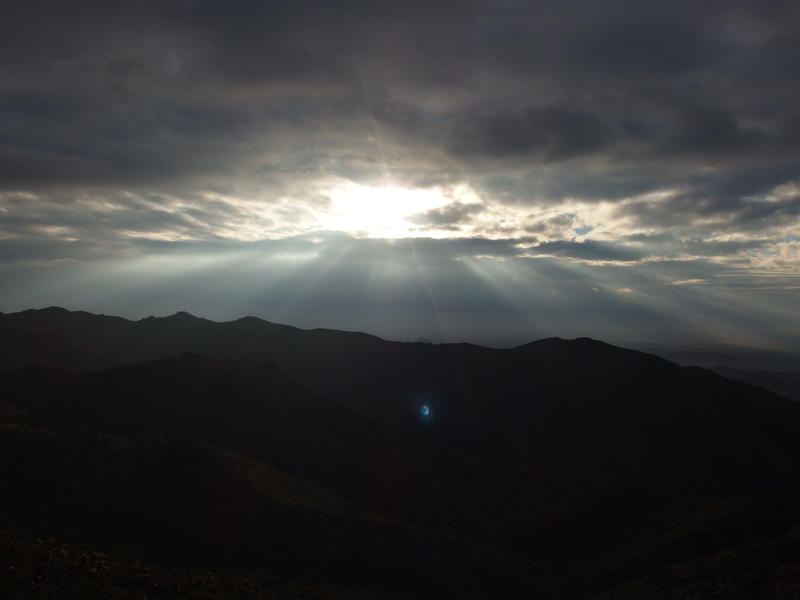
(783, 357)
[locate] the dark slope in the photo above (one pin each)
(181, 503)
(740, 548)
(346, 365)
(564, 420)
(778, 372)
(785, 383)
(577, 454)
(616, 417)
(255, 409)
(20, 348)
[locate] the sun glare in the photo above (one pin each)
(379, 211)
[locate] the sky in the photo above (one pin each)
(492, 171)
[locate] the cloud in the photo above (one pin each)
(456, 289)
(450, 216)
(550, 133)
(683, 124)
(588, 250)
(719, 208)
(552, 226)
(666, 133)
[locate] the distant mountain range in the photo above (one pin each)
(774, 371)
(341, 462)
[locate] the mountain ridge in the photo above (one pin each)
(552, 454)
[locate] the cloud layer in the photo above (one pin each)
(660, 139)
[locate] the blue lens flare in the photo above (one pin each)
(423, 407)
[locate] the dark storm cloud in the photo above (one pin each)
(152, 91)
(547, 132)
(683, 124)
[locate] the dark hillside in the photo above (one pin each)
(185, 504)
(255, 409)
(557, 469)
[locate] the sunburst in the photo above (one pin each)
(379, 211)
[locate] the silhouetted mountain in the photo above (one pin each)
(778, 372)
(584, 404)
(420, 468)
(255, 409)
(704, 359)
(785, 383)
(21, 348)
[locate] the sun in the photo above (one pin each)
(379, 211)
